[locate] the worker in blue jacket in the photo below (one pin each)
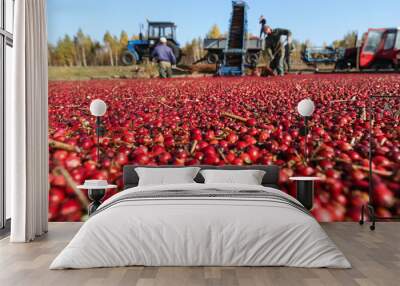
(165, 58)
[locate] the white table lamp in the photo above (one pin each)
(98, 108)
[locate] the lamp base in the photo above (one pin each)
(305, 193)
(96, 196)
(370, 210)
(304, 130)
(100, 129)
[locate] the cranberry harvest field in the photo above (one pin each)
(244, 120)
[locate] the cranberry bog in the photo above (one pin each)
(246, 120)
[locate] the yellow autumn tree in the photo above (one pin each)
(109, 44)
(123, 42)
(214, 32)
(123, 39)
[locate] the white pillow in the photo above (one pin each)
(166, 176)
(248, 177)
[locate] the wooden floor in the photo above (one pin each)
(375, 257)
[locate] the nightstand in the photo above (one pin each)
(305, 190)
(96, 194)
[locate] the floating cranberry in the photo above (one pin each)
(381, 161)
(59, 181)
(230, 157)
(223, 144)
(241, 145)
(358, 175)
(141, 159)
(237, 161)
(305, 170)
(251, 122)
(209, 135)
(72, 161)
(254, 153)
(89, 166)
(56, 196)
(169, 141)
(70, 207)
(382, 195)
(232, 138)
(60, 155)
(53, 211)
(263, 136)
(164, 158)
(121, 159)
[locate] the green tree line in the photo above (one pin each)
(82, 50)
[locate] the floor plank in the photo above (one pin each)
(375, 257)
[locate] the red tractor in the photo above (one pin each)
(380, 49)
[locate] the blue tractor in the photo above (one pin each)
(140, 50)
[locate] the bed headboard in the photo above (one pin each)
(271, 177)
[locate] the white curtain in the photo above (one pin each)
(27, 124)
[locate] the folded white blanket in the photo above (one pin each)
(203, 225)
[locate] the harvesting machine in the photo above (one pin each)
(379, 49)
(236, 51)
(138, 50)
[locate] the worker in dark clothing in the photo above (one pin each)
(288, 52)
(165, 58)
(263, 23)
(275, 47)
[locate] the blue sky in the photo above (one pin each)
(316, 20)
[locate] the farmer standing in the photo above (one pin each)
(263, 23)
(165, 58)
(275, 47)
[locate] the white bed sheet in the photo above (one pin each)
(200, 232)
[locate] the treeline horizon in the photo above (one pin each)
(83, 50)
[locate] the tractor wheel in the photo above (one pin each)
(341, 65)
(385, 65)
(212, 58)
(375, 67)
(382, 65)
(128, 58)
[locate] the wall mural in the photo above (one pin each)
(197, 118)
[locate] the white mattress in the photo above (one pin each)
(193, 231)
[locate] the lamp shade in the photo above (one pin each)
(306, 107)
(98, 107)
